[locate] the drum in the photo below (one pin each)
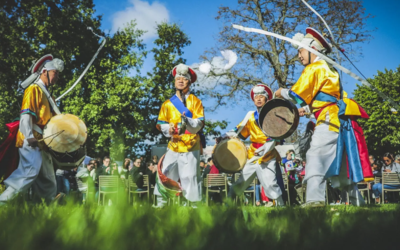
(65, 135)
(230, 155)
(278, 118)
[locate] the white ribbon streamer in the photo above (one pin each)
(327, 59)
(87, 67)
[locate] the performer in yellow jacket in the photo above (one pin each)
(262, 155)
(35, 164)
(318, 91)
(181, 162)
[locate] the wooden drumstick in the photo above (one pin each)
(55, 134)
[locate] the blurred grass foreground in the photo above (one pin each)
(76, 226)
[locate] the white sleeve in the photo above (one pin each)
(194, 125)
(165, 130)
(285, 95)
(25, 125)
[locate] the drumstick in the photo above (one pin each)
(55, 134)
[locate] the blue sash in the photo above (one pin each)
(178, 104)
(256, 117)
(324, 97)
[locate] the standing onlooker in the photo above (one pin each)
(207, 168)
(85, 177)
(137, 172)
(151, 172)
(389, 167)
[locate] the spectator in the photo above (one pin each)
(124, 170)
(377, 168)
(154, 159)
(389, 167)
(202, 166)
(106, 165)
(114, 169)
(371, 159)
(207, 168)
(137, 172)
(151, 169)
(397, 159)
(62, 182)
(85, 176)
(70, 176)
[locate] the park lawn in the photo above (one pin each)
(74, 226)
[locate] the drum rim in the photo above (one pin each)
(263, 112)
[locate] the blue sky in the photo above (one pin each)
(197, 19)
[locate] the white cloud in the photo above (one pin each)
(146, 15)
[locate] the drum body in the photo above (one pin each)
(279, 118)
(65, 136)
(230, 155)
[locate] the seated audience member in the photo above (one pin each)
(106, 170)
(114, 169)
(151, 172)
(371, 159)
(123, 171)
(137, 173)
(154, 159)
(202, 166)
(377, 168)
(390, 166)
(62, 182)
(397, 159)
(84, 177)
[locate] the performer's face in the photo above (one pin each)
(53, 77)
(304, 56)
(182, 83)
(260, 100)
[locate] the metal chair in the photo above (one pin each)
(248, 191)
(391, 179)
(133, 188)
(363, 189)
(286, 186)
(215, 180)
(108, 185)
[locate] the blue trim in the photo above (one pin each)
(297, 98)
(161, 122)
(28, 111)
(324, 97)
(180, 107)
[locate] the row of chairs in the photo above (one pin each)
(215, 183)
(112, 185)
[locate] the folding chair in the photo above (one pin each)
(215, 180)
(363, 189)
(286, 186)
(108, 185)
(248, 191)
(389, 179)
(133, 188)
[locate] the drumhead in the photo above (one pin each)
(73, 137)
(279, 118)
(230, 155)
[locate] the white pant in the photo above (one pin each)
(320, 156)
(35, 169)
(184, 167)
(266, 174)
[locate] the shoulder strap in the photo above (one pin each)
(180, 107)
(47, 94)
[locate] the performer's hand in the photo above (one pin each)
(172, 131)
(183, 114)
(302, 112)
(278, 93)
(33, 142)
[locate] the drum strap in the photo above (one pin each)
(37, 129)
(47, 94)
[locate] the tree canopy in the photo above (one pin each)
(382, 129)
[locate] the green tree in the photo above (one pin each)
(382, 129)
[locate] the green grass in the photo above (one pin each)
(75, 226)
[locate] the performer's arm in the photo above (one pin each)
(25, 126)
(165, 130)
(194, 125)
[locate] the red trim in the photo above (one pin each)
(40, 62)
(320, 38)
(257, 145)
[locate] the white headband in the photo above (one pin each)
(258, 90)
(55, 64)
(182, 70)
(308, 41)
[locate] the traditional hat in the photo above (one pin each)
(313, 39)
(261, 89)
(46, 62)
(185, 71)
